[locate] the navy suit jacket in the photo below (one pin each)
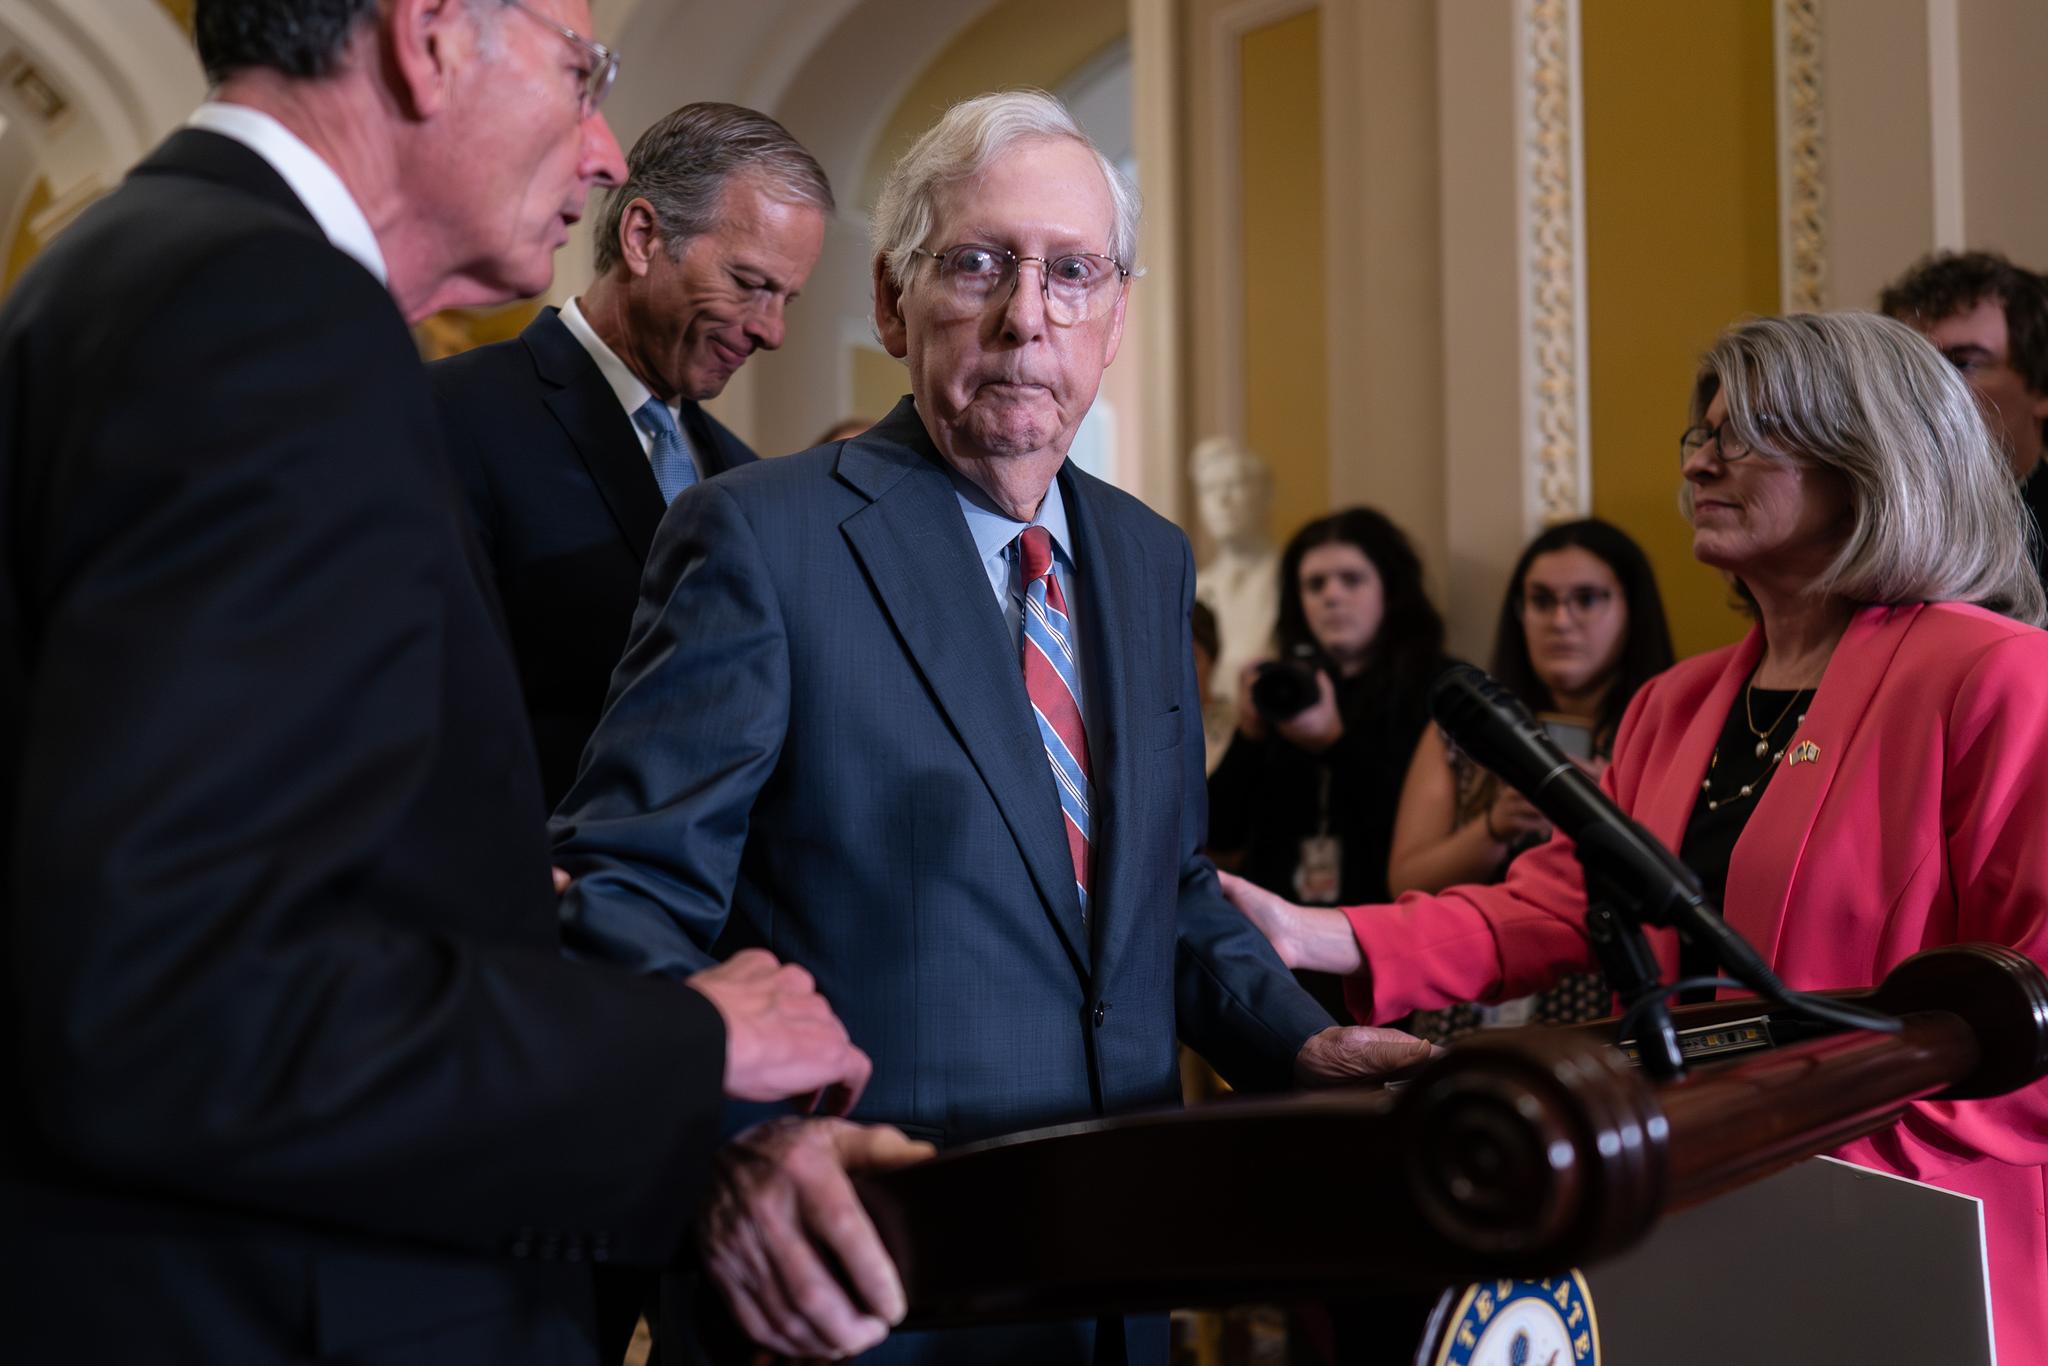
(565, 505)
(294, 1068)
(820, 726)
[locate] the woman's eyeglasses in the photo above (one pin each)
(1578, 603)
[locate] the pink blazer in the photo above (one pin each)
(1924, 822)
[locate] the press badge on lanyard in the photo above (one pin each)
(1320, 871)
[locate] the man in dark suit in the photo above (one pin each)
(571, 438)
(1990, 318)
(295, 1068)
(919, 708)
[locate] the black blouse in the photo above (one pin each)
(1766, 719)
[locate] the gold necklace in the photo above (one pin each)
(1763, 737)
(1763, 748)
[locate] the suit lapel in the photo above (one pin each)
(1763, 871)
(1110, 631)
(914, 545)
(599, 430)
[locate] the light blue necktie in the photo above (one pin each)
(670, 455)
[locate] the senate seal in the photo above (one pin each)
(1521, 1323)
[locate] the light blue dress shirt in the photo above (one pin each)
(995, 535)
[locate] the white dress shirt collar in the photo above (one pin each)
(995, 535)
(626, 385)
(994, 530)
(632, 393)
(315, 183)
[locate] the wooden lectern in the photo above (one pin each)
(1508, 1162)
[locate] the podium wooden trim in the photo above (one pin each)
(1522, 1154)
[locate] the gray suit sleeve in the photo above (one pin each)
(1236, 1003)
(653, 829)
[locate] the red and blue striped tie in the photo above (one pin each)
(1054, 686)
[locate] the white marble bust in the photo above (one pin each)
(1239, 582)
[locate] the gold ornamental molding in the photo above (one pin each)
(1802, 156)
(1557, 477)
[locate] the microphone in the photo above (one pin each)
(1652, 887)
(1627, 867)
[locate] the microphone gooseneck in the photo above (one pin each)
(1644, 880)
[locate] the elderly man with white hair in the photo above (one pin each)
(917, 711)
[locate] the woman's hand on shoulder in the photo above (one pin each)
(1317, 938)
(1272, 915)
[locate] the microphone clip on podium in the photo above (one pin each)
(1631, 968)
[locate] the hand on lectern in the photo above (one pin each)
(783, 1213)
(1357, 1052)
(781, 1038)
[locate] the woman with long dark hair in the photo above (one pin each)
(1581, 629)
(1303, 801)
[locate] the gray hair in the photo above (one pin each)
(1936, 515)
(963, 144)
(682, 165)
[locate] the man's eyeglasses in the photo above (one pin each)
(1578, 603)
(604, 63)
(1077, 287)
(1730, 446)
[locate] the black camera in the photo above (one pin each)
(1283, 689)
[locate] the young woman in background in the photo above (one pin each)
(1581, 628)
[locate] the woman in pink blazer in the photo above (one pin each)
(1864, 776)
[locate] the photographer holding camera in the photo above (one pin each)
(1303, 801)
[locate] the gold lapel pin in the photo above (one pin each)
(1805, 752)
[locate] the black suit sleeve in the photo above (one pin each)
(227, 985)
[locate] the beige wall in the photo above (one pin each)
(1205, 145)
(1937, 135)
(2003, 49)
(1307, 141)
(1480, 142)
(1880, 147)
(1383, 271)
(1403, 127)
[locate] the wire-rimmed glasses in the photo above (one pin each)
(1078, 286)
(604, 63)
